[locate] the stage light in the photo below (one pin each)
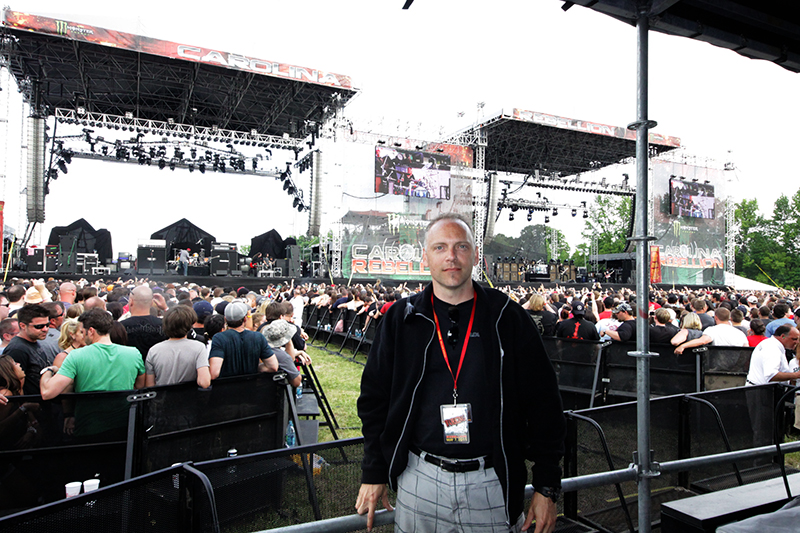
(202, 168)
(555, 212)
(511, 216)
(161, 164)
(67, 155)
(191, 167)
(172, 165)
(255, 164)
(285, 184)
(300, 208)
(574, 212)
(530, 217)
(104, 149)
(586, 214)
(291, 190)
(295, 201)
(546, 219)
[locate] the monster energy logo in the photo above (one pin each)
(61, 27)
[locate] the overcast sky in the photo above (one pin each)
(417, 70)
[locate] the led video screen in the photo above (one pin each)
(691, 199)
(412, 173)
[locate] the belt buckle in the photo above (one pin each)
(459, 466)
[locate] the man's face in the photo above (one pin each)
(36, 330)
(57, 321)
(450, 254)
(789, 340)
(13, 333)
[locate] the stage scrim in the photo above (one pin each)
(382, 232)
(691, 248)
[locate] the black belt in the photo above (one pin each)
(453, 465)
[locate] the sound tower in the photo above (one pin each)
(151, 257)
(293, 256)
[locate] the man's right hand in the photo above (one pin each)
(367, 501)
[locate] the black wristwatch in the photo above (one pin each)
(551, 492)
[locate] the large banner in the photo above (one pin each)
(691, 246)
(382, 233)
(138, 43)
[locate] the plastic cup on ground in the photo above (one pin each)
(73, 488)
(91, 484)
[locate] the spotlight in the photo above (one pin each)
(202, 168)
(574, 212)
(586, 214)
(300, 208)
(530, 216)
(295, 201)
(63, 166)
(511, 216)
(555, 212)
(191, 167)
(172, 165)
(67, 156)
(161, 164)
(285, 184)
(546, 219)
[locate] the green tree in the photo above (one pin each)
(609, 218)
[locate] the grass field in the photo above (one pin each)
(340, 377)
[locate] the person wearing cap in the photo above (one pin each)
(577, 327)
(626, 330)
(279, 335)
(237, 350)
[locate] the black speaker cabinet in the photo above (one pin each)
(151, 260)
(225, 263)
(35, 259)
(50, 257)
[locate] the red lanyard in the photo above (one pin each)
(463, 348)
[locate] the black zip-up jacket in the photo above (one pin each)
(520, 381)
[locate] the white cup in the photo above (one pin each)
(91, 484)
(73, 488)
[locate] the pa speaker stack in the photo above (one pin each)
(224, 259)
(151, 257)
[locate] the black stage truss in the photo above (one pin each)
(529, 142)
(61, 64)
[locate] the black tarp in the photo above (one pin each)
(183, 234)
(89, 240)
(270, 243)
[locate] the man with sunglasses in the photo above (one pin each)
(457, 393)
(26, 349)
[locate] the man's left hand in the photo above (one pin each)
(543, 511)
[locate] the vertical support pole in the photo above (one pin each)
(643, 459)
(571, 467)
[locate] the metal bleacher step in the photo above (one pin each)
(308, 431)
(307, 404)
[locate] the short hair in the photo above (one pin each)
(758, 327)
(178, 321)
(737, 316)
(453, 217)
(663, 315)
(780, 310)
(116, 309)
(68, 330)
(698, 304)
(273, 311)
(15, 293)
(55, 309)
(722, 314)
(7, 325)
(764, 311)
(97, 318)
(28, 312)
(213, 325)
(783, 329)
(691, 321)
(74, 311)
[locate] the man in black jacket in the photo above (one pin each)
(457, 392)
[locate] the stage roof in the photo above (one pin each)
(107, 71)
(524, 141)
(752, 28)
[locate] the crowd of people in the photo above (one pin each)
(124, 335)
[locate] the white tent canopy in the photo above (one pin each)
(743, 284)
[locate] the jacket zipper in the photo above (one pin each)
(502, 407)
(411, 405)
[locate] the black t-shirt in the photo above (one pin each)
(143, 332)
(31, 358)
(663, 335)
(706, 320)
(627, 331)
(549, 321)
(437, 388)
(573, 328)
